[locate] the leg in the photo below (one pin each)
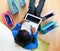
(39, 8)
(31, 7)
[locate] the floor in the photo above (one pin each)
(53, 37)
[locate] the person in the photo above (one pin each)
(24, 38)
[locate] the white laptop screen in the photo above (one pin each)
(33, 18)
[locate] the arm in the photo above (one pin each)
(34, 32)
(15, 30)
(17, 26)
(32, 45)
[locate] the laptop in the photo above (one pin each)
(31, 20)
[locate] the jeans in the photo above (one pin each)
(36, 11)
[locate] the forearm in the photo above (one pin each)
(18, 26)
(35, 34)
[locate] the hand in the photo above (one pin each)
(33, 29)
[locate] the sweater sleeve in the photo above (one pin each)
(15, 29)
(17, 26)
(34, 34)
(33, 45)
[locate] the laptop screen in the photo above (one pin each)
(33, 19)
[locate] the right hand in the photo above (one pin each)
(33, 29)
